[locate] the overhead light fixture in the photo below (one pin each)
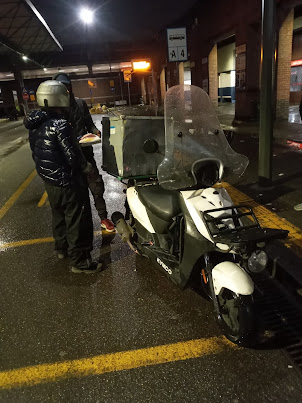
(24, 57)
(141, 65)
(86, 15)
(45, 69)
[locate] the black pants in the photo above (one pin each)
(72, 220)
(95, 183)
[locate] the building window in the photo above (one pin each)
(296, 79)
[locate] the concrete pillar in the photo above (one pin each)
(172, 74)
(213, 75)
(247, 96)
(143, 90)
(90, 71)
(163, 87)
(284, 67)
(7, 96)
(19, 87)
(181, 73)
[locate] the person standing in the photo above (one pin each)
(62, 166)
(82, 123)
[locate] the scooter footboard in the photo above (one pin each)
(231, 276)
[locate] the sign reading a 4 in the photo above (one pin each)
(177, 44)
(173, 54)
(182, 53)
(178, 54)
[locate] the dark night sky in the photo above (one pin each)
(115, 21)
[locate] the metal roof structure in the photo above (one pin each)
(77, 71)
(23, 31)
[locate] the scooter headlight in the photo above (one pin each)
(257, 261)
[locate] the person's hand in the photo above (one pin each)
(98, 133)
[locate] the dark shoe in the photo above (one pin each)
(107, 225)
(61, 254)
(93, 268)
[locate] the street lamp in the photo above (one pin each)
(86, 15)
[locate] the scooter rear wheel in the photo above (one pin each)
(236, 317)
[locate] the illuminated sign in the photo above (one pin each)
(25, 95)
(295, 63)
(127, 76)
(92, 83)
(32, 95)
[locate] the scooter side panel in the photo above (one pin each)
(201, 200)
(139, 210)
(168, 267)
(194, 247)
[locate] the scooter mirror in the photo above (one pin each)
(150, 146)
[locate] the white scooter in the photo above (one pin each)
(183, 223)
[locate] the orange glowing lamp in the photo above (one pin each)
(141, 65)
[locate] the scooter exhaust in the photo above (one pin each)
(124, 229)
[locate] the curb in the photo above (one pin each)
(13, 146)
(284, 267)
(9, 127)
(285, 259)
(286, 255)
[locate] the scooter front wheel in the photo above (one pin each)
(236, 317)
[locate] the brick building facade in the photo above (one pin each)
(209, 23)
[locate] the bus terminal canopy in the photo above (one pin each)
(24, 32)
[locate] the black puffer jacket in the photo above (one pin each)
(56, 152)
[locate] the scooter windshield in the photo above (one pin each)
(193, 133)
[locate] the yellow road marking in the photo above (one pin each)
(43, 199)
(4, 209)
(120, 361)
(26, 242)
(268, 219)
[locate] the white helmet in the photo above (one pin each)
(53, 93)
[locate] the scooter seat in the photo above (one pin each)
(162, 203)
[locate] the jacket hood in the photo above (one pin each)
(35, 119)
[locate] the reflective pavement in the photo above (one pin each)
(124, 335)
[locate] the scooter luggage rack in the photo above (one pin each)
(236, 216)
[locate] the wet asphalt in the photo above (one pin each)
(48, 315)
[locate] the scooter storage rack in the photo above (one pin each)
(237, 225)
(236, 215)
